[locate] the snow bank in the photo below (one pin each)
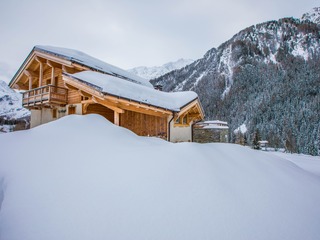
(81, 177)
(117, 87)
(306, 162)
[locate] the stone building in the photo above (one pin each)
(210, 131)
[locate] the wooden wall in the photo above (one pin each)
(103, 111)
(143, 124)
(73, 95)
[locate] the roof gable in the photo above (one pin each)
(93, 63)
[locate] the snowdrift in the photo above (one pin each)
(82, 177)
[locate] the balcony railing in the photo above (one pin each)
(48, 94)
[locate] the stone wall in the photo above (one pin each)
(207, 135)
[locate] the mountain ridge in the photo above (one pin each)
(157, 71)
(275, 56)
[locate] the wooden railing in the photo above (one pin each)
(45, 95)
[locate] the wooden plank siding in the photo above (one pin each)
(73, 97)
(143, 124)
(102, 110)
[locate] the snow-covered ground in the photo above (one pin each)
(306, 162)
(82, 177)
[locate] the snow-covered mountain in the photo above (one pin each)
(51, 190)
(264, 76)
(154, 72)
(313, 15)
(10, 103)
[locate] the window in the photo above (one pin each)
(84, 98)
(185, 120)
(182, 121)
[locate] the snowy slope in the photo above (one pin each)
(157, 71)
(10, 103)
(116, 185)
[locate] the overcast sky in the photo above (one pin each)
(131, 33)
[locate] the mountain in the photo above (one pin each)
(11, 110)
(154, 72)
(313, 15)
(266, 77)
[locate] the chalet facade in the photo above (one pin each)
(59, 82)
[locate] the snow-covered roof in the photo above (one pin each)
(111, 85)
(91, 62)
(213, 124)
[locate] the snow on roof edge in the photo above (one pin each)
(102, 90)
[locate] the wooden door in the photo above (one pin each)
(71, 110)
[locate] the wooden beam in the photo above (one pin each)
(107, 104)
(68, 69)
(70, 87)
(84, 94)
(40, 59)
(30, 73)
(187, 108)
(79, 67)
(81, 86)
(135, 105)
(90, 101)
(85, 107)
(56, 59)
(191, 115)
(53, 64)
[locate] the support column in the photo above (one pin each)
(52, 77)
(30, 82)
(53, 66)
(40, 74)
(116, 118)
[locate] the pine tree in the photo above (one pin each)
(256, 140)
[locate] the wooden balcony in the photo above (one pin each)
(46, 95)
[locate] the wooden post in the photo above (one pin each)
(116, 118)
(30, 82)
(52, 77)
(40, 74)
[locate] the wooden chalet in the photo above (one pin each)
(59, 81)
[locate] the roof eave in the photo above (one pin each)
(113, 95)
